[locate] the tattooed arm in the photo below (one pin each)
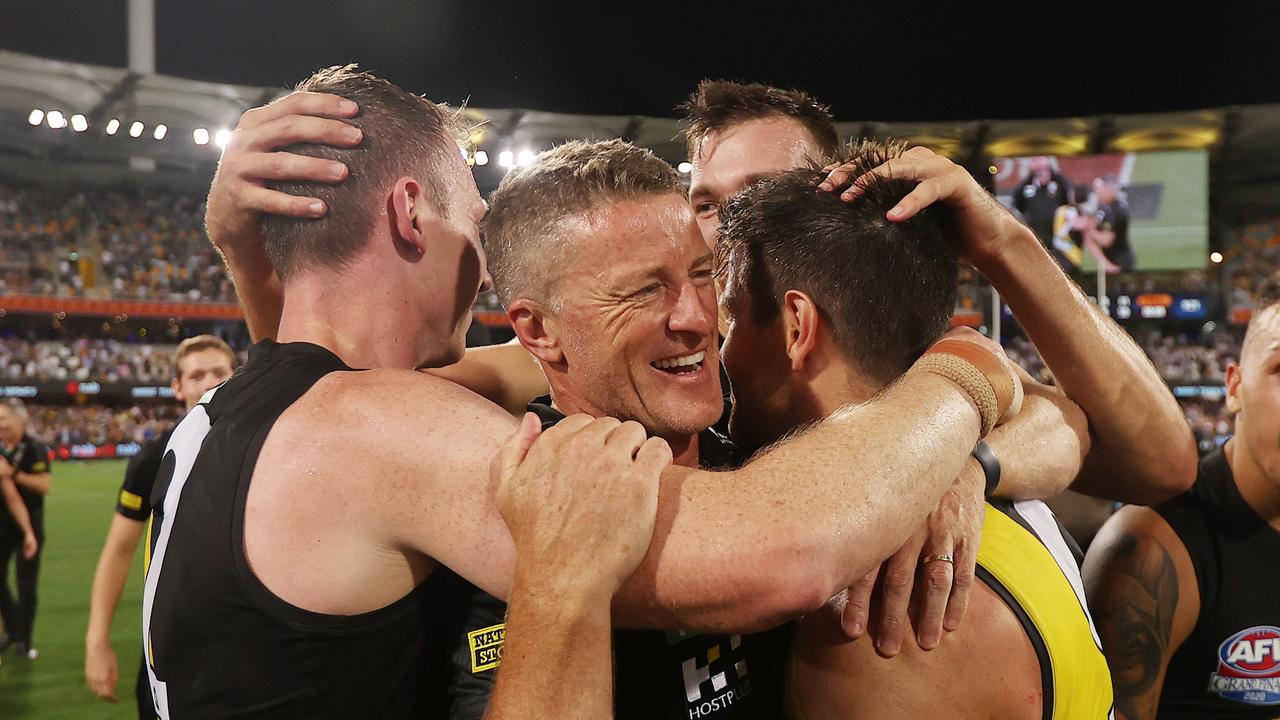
(1142, 592)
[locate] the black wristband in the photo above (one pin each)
(986, 457)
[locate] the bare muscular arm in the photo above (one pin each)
(1142, 590)
(1103, 370)
(1042, 449)
(101, 668)
(732, 550)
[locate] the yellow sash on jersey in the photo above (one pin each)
(1029, 572)
(1081, 680)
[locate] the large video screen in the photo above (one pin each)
(1127, 211)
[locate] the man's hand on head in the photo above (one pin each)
(986, 227)
(239, 195)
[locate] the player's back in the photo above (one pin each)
(219, 643)
(1026, 648)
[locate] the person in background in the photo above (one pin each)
(1107, 237)
(24, 461)
(1038, 198)
(1185, 592)
(201, 363)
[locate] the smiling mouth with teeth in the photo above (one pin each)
(681, 365)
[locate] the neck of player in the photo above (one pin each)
(1261, 492)
(338, 312)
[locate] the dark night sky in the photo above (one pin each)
(882, 61)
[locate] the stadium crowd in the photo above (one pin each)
(99, 425)
(85, 359)
(139, 244)
(1179, 358)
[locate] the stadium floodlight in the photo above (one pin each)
(36, 117)
(135, 130)
(506, 159)
(685, 168)
(1215, 257)
(161, 131)
(113, 126)
(56, 120)
(221, 138)
(482, 158)
(526, 157)
(79, 123)
(201, 136)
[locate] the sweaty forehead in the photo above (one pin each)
(1263, 339)
(728, 160)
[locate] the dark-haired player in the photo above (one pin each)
(201, 362)
(1187, 594)
(805, 335)
(738, 133)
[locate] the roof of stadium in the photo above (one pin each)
(1244, 141)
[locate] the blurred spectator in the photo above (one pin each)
(1180, 359)
(142, 245)
(76, 425)
(85, 360)
(1209, 422)
(1254, 255)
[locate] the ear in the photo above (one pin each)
(1233, 388)
(177, 390)
(405, 210)
(801, 324)
(537, 332)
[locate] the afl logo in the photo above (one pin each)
(1249, 667)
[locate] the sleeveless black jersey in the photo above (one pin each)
(657, 674)
(218, 643)
(1229, 667)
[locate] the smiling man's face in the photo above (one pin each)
(636, 318)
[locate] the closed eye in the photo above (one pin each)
(644, 292)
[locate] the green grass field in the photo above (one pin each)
(77, 513)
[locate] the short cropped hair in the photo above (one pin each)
(525, 231)
(719, 104)
(403, 134)
(197, 344)
(886, 290)
(1268, 292)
